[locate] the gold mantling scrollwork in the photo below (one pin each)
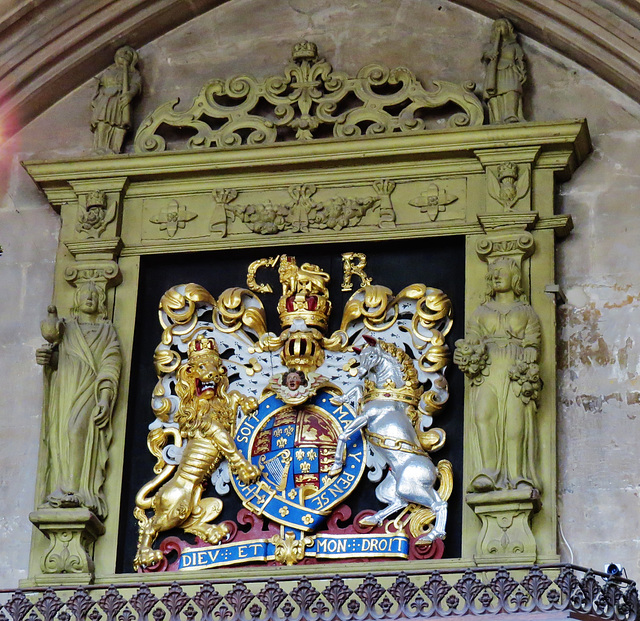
(307, 98)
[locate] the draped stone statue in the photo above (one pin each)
(111, 104)
(505, 73)
(499, 355)
(82, 370)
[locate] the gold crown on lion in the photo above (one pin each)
(202, 346)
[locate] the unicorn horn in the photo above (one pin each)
(369, 340)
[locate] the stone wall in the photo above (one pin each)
(599, 264)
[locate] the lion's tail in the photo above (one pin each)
(156, 440)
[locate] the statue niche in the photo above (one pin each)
(82, 369)
(499, 357)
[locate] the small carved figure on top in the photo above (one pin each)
(111, 105)
(505, 73)
(82, 362)
(499, 356)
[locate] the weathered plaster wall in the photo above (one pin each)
(599, 265)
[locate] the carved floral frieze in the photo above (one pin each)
(304, 211)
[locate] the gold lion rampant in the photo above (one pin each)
(206, 418)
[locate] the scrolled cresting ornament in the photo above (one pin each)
(308, 97)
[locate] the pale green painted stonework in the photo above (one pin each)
(188, 186)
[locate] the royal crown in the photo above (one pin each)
(508, 170)
(202, 346)
(304, 294)
(96, 198)
(305, 50)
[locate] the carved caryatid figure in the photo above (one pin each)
(505, 74)
(499, 356)
(111, 105)
(81, 384)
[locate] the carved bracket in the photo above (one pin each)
(505, 536)
(71, 534)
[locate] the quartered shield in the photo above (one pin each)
(294, 447)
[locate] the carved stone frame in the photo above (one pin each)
(178, 201)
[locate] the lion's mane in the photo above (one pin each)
(196, 414)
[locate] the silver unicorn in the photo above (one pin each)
(392, 436)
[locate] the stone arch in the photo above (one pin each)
(46, 54)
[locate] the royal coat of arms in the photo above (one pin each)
(291, 422)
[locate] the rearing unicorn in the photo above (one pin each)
(387, 400)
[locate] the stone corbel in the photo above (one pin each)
(98, 223)
(103, 274)
(71, 534)
(507, 235)
(505, 535)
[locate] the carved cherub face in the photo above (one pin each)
(293, 380)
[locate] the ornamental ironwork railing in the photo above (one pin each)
(353, 597)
